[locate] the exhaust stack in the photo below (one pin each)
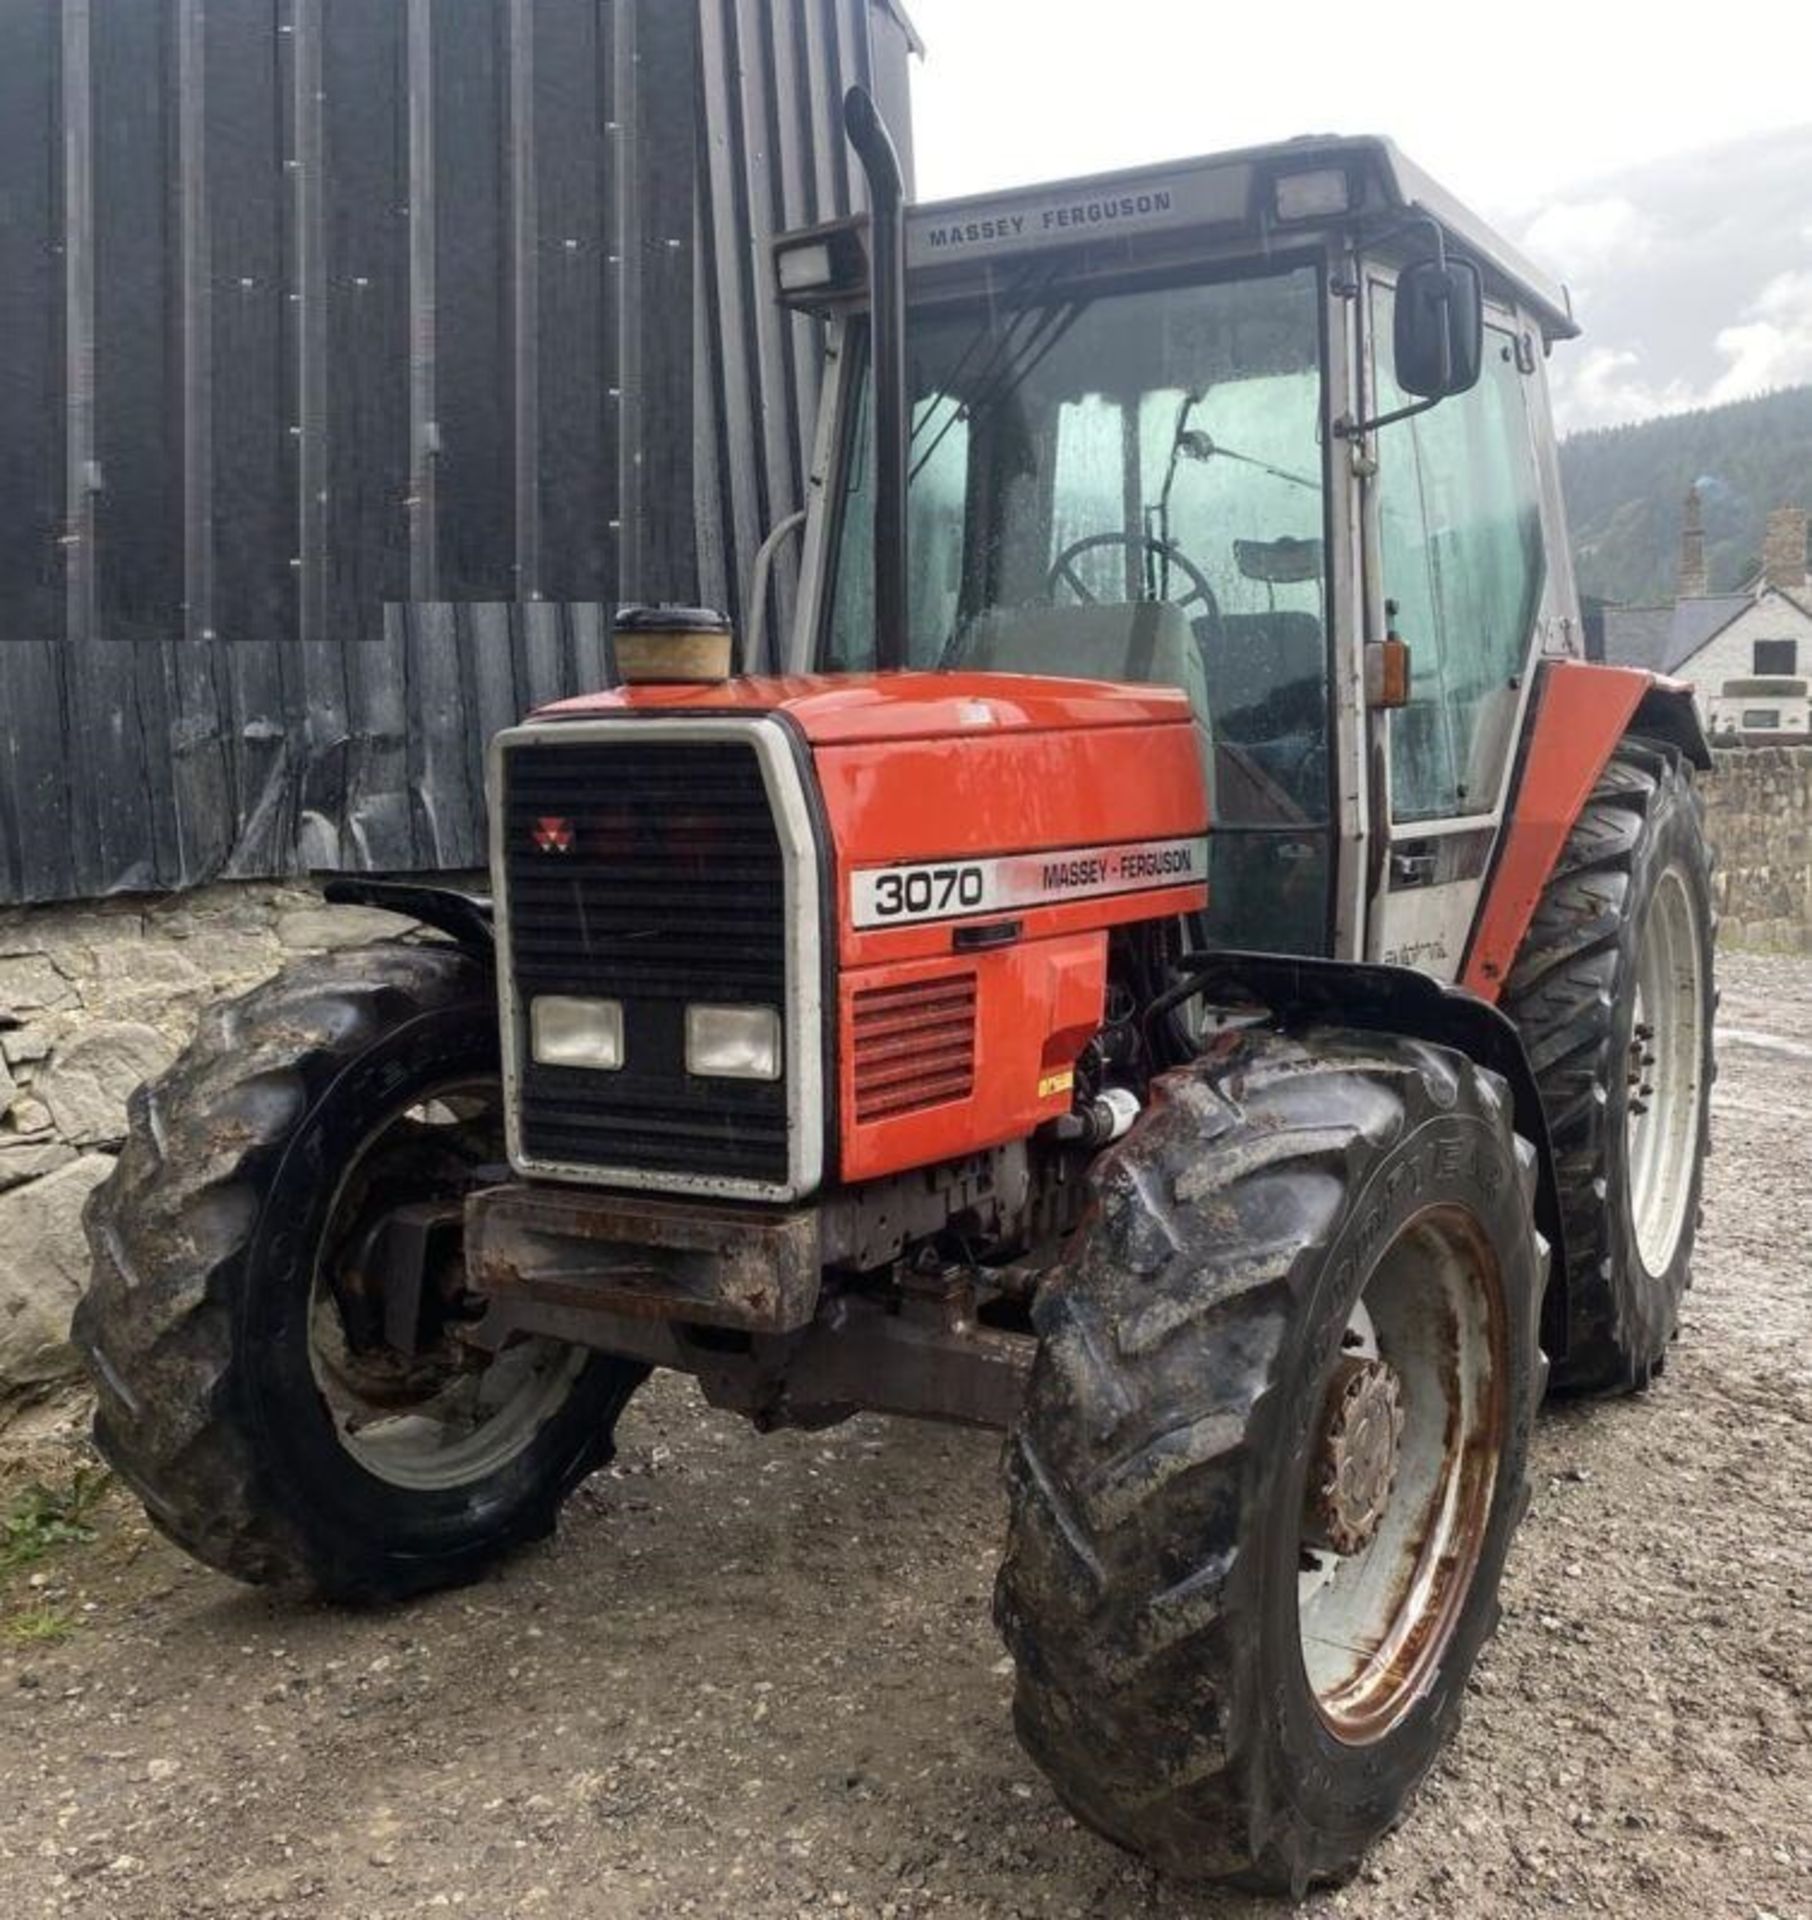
(880, 159)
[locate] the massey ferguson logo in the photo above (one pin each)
(553, 834)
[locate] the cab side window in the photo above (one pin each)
(1462, 557)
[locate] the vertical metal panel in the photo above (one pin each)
(525, 290)
(796, 202)
(317, 769)
(35, 830)
(657, 56)
(467, 219)
(196, 710)
(366, 267)
(136, 490)
(758, 113)
(111, 817)
(727, 294)
(827, 77)
(245, 111)
(355, 357)
(31, 238)
(424, 575)
(567, 253)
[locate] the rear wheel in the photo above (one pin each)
(1613, 994)
(277, 1324)
(1272, 1453)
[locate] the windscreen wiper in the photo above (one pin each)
(1051, 324)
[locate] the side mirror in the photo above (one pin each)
(1440, 328)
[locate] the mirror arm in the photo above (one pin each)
(1345, 429)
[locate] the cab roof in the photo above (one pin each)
(1223, 195)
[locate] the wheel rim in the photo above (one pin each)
(1665, 1071)
(1375, 1620)
(457, 1414)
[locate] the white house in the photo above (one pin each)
(1747, 655)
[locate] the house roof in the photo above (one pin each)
(1664, 638)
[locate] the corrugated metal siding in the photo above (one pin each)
(340, 376)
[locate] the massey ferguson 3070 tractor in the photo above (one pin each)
(1180, 961)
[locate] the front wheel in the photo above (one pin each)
(277, 1324)
(1272, 1453)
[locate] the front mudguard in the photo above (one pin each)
(1347, 993)
(466, 918)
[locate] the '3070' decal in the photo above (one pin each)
(952, 889)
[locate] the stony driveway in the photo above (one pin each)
(757, 1677)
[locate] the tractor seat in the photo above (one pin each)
(1146, 642)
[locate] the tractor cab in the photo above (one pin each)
(1157, 430)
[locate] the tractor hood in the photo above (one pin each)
(848, 709)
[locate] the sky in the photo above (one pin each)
(1658, 160)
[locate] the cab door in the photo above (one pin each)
(1459, 567)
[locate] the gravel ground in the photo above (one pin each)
(757, 1677)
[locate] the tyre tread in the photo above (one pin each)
(172, 1232)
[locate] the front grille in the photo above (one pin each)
(671, 889)
(914, 1045)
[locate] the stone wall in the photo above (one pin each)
(1759, 817)
(94, 999)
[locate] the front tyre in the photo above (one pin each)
(1272, 1453)
(277, 1326)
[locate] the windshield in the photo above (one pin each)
(1075, 460)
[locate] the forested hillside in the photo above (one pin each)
(1625, 486)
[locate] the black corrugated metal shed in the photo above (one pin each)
(354, 356)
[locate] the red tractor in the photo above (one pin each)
(1183, 963)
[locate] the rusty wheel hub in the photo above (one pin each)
(1355, 1463)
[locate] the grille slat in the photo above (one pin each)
(914, 1045)
(673, 890)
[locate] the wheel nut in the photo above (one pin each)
(1354, 1464)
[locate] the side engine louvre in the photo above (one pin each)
(914, 1045)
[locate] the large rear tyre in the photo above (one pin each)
(250, 1386)
(1613, 993)
(1272, 1453)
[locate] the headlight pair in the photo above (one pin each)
(722, 1043)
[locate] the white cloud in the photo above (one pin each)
(1768, 346)
(1771, 346)
(1607, 387)
(1579, 236)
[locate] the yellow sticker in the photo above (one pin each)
(1060, 1082)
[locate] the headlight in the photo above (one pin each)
(733, 1043)
(576, 1033)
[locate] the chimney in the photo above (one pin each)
(1784, 548)
(1693, 585)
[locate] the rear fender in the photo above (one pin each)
(1582, 710)
(1398, 1000)
(1667, 711)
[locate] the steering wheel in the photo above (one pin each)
(1063, 570)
